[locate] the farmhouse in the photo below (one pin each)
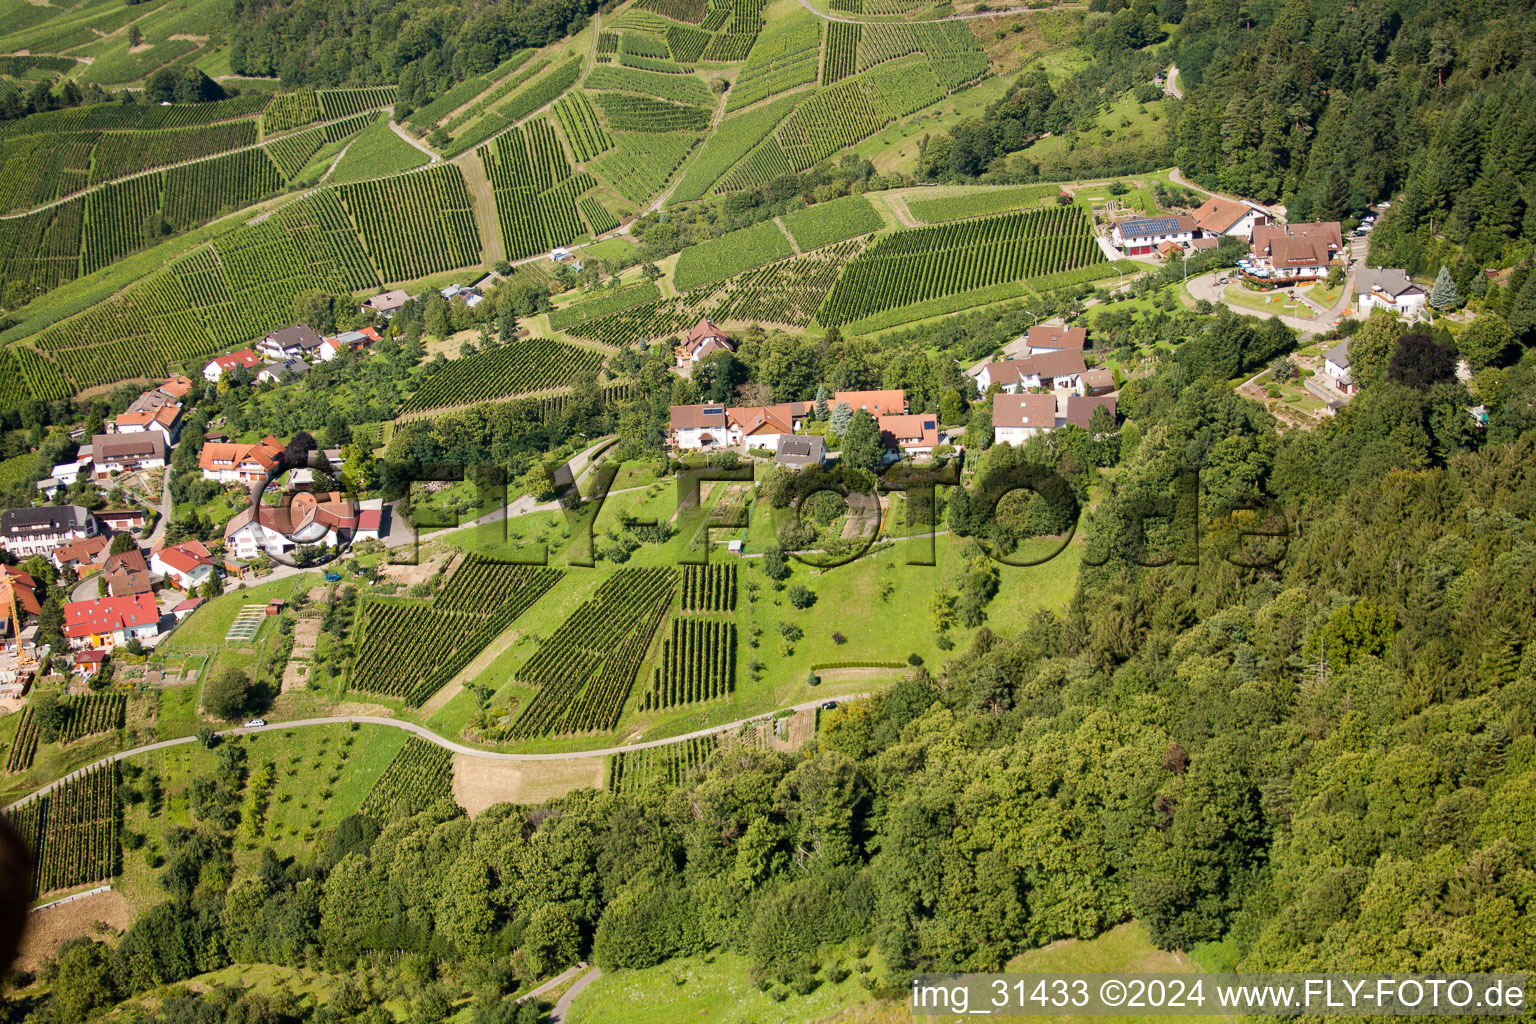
(126, 453)
(700, 342)
(332, 347)
(1218, 216)
(1143, 235)
(127, 574)
(385, 305)
(876, 403)
(1336, 365)
(227, 463)
(25, 532)
(305, 519)
(700, 426)
(917, 434)
(216, 367)
(1052, 338)
(185, 566)
(1017, 418)
(109, 621)
(1388, 289)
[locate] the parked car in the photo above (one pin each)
(256, 723)
(333, 577)
(1221, 280)
(828, 705)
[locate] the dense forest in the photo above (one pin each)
(1317, 755)
(1324, 105)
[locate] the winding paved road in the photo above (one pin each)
(431, 737)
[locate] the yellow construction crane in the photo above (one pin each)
(23, 657)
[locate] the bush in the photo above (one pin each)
(801, 596)
(812, 679)
(914, 660)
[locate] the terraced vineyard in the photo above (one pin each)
(586, 669)
(83, 716)
(290, 110)
(698, 663)
(788, 292)
(784, 58)
(926, 263)
(415, 224)
(734, 253)
(516, 368)
(579, 124)
(133, 151)
(336, 103)
(534, 190)
(677, 88)
(731, 140)
(663, 767)
(413, 648)
(525, 101)
(419, 776)
(612, 302)
(73, 832)
(627, 113)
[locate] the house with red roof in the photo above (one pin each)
(915, 434)
(1017, 418)
(186, 566)
(705, 338)
(347, 341)
(22, 589)
(110, 621)
(229, 463)
(876, 403)
(1219, 216)
(216, 367)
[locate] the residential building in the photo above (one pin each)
(332, 347)
(66, 474)
(799, 452)
(1218, 216)
(216, 366)
(110, 621)
(304, 520)
(470, 296)
(1018, 417)
(84, 555)
(700, 342)
(387, 304)
(1079, 408)
(88, 663)
(1051, 369)
(915, 434)
(127, 453)
(227, 463)
(176, 388)
(1294, 252)
(127, 574)
(187, 607)
(700, 426)
(1142, 235)
(761, 426)
(164, 420)
(25, 532)
(1053, 337)
(1380, 288)
(185, 566)
(19, 590)
(282, 371)
(876, 403)
(298, 340)
(1336, 365)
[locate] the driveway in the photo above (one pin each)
(1205, 287)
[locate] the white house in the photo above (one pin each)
(1054, 338)
(282, 371)
(1053, 370)
(1336, 365)
(332, 347)
(1017, 418)
(126, 453)
(216, 367)
(186, 566)
(320, 520)
(226, 463)
(704, 339)
(297, 340)
(1388, 289)
(385, 305)
(164, 420)
(25, 532)
(764, 426)
(471, 297)
(1142, 235)
(700, 426)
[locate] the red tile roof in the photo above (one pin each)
(918, 430)
(1050, 336)
(264, 454)
(1217, 214)
(876, 403)
(109, 614)
(1024, 410)
(1080, 408)
(245, 357)
(185, 557)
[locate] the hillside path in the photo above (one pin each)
(415, 143)
(422, 732)
(563, 1006)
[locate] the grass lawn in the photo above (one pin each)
(377, 151)
(203, 631)
(1279, 301)
(715, 988)
(1127, 121)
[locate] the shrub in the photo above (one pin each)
(801, 596)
